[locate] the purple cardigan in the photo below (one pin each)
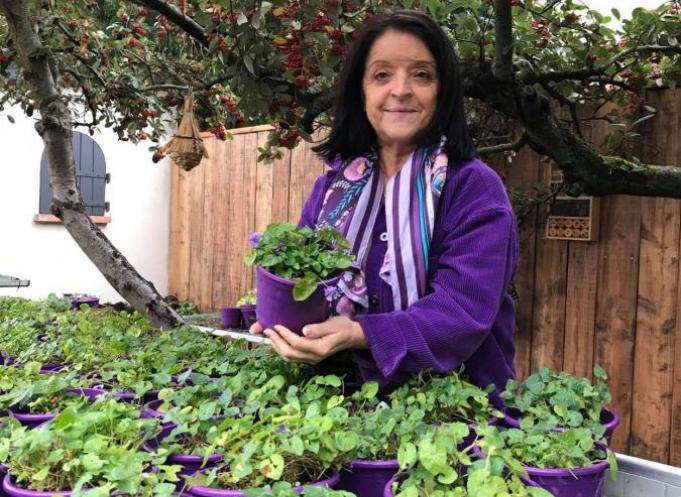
(467, 317)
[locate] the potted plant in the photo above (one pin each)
(294, 267)
(553, 399)
(247, 305)
(33, 397)
(296, 436)
(192, 419)
(433, 464)
(566, 463)
(93, 448)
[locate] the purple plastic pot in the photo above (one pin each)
(610, 420)
(248, 315)
(51, 367)
(230, 317)
(367, 478)
(33, 420)
(150, 411)
(14, 491)
(198, 491)
(3, 472)
(577, 482)
(77, 299)
(190, 463)
(276, 304)
(388, 488)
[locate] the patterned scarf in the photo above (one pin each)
(411, 197)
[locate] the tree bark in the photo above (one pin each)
(55, 129)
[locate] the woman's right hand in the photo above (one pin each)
(256, 329)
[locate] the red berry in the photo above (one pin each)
(124, 17)
(161, 32)
(337, 49)
(3, 58)
(157, 156)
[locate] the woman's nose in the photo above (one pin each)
(401, 86)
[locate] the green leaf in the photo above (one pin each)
(305, 287)
(406, 455)
(206, 410)
(41, 474)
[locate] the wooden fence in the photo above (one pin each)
(611, 302)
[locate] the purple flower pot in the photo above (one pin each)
(150, 412)
(577, 482)
(198, 491)
(367, 478)
(248, 315)
(610, 420)
(77, 299)
(190, 463)
(230, 317)
(3, 472)
(388, 488)
(51, 367)
(276, 304)
(33, 420)
(14, 491)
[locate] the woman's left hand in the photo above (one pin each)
(318, 342)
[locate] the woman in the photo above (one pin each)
(432, 227)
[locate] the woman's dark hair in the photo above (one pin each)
(353, 135)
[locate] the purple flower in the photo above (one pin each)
(329, 292)
(254, 239)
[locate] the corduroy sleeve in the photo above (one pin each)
(445, 327)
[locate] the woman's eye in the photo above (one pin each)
(381, 75)
(424, 75)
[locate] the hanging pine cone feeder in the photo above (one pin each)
(186, 147)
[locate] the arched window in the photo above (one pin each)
(91, 176)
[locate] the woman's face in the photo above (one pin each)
(400, 86)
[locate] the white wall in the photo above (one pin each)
(139, 194)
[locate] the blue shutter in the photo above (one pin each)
(91, 176)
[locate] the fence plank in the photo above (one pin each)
(657, 299)
(196, 206)
(548, 322)
(675, 431)
(523, 174)
(219, 213)
(210, 198)
(178, 256)
(581, 308)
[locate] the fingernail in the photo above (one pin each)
(306, 330)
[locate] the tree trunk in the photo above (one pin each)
(55, 129)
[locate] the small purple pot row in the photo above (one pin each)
(238, 318)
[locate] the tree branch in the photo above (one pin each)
(503, 40)
(175, 15)
(54, 128)
(504, 147)
(585, 74)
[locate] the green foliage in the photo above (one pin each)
(129, 68)
(25, 389)
(305, 255)
(276, 424)
(249, 298)
(86, 447)
(552, 399)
